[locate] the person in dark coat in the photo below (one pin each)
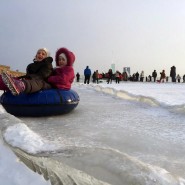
(137, 76)
(77, 77)
(87, 74)
(183, 78)
(110, 76)
(63, 75)
(163, 76)
(94, 77)
(36, 75)
(154, 75)
(97, 76)
(173, 73)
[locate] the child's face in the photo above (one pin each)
(62, 62)
(41, 54)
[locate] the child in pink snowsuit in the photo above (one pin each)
(63, 75)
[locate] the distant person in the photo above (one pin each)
(163, 76)
(154, 75)
(142, 76)
(77, 77)
(150, 78)
(184, 78)
(94, 77)
(146, 79)
(97, 76)
(117, 76)
(36, 76)
(125, 76)
(137, 76)
(63, 75)
(173, 73)
(87, 74)
(133, 77)
(110, 76)
(178, 78)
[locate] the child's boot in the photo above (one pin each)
(2, 85)
(14, 85)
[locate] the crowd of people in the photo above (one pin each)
(118, 76)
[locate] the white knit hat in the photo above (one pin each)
(46, 50)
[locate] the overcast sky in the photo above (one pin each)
(141, 34)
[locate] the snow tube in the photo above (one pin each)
(43, 103)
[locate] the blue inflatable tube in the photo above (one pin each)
(43, 103)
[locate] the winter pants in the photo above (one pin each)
(35, 85)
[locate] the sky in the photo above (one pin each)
(143, 35)
(20, 135)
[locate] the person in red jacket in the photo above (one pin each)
(63, 75)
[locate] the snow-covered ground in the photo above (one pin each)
(19, 134)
